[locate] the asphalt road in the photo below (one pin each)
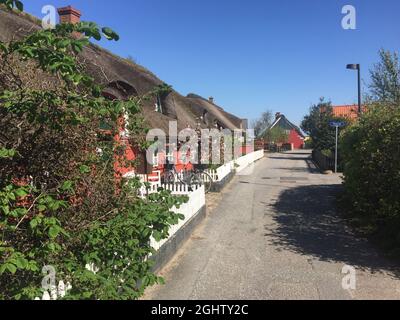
(275, 234)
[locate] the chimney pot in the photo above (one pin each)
(69, 15)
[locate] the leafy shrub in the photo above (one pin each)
(60, 201)
(371, 153)
(328, 153)
(317, 125)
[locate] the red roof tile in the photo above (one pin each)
(346, 111)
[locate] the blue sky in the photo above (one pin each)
(252, 55)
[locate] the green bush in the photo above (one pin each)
(371, 156)
(317, 124)
(328, 153)
(61, 204)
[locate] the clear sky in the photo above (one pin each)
(251, 55)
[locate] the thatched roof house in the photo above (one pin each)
(124, 78)
(213, 115)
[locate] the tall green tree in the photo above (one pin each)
(385, 78)
(317, 125)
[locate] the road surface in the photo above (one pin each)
(275, 234)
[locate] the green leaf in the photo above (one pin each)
(18, 212)
(33, 224)
(110, 34)
(21, 263)
(96, 35)
(161, 280)
(33, 266)
(12, 268)
(12, 196)
(67, 185)
(84, 169)
(19, 5)
(52, 247)
(77, 47)
(20, 193)
(54, 232)
(64, 43)
(55, 205)
(7, 153)
(6, 209)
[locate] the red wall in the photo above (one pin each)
(246, 149)
(296, 139)
(180, 166)
(120, 167)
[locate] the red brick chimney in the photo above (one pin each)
(69, 15)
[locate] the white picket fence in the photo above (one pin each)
(243, 162)
(196, 194)
(217, 175)
(197, 201)
(237, 165)
(223, 171)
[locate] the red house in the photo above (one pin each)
(295, 136)
(124, 79)
(349, 112)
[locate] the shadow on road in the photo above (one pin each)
(308, 224)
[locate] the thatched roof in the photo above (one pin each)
(282, 122)
(212, 113)
(14, 25)
(124, 78)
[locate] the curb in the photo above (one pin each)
(171, 247)
(220, 185)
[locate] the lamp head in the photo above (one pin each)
(353, 66)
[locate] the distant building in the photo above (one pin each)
(295, 136)
(349, 112)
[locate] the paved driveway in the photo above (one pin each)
(275, 235)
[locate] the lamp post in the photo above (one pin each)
(358, 68)
(337, 125)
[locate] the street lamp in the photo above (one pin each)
(358, 68)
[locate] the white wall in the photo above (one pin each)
(197, 200)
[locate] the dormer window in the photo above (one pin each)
(204, 117)
(217, 125)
